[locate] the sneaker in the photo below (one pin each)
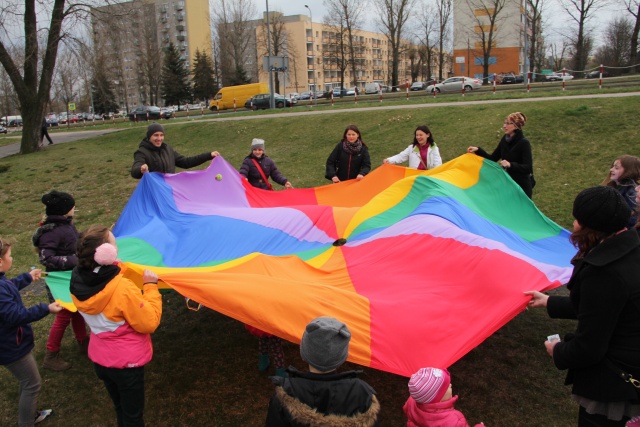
(42, 415)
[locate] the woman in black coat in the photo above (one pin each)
(604, 297)
(350, 158)
(513, 153)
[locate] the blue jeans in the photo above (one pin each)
(126, 388)
(26, 371)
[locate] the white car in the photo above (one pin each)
(557, 77)
(454, 84)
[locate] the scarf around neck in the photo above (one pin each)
(352, 147)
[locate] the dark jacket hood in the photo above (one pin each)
(86, 283)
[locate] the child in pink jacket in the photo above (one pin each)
(431, 401)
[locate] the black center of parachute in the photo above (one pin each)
(339, 242)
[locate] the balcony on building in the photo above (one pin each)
(179, 5)
(180, 27)
(180, 16)
(181, 37)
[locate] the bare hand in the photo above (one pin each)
(36, 273)
(538, 299)
(385, 162)
(55, 307)
(505, 164)
(288, 185)
(472, 149)
(144, 168)
(149, 276)
(335, 179)
(359, 177)
(214, 154)
(550, 345)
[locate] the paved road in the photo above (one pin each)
(61, 137)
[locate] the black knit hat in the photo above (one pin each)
(153, 128)
(601, 209)
(58, 203)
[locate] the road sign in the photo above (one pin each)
(72, 106)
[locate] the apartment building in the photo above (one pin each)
(132, 35)
(313, 54)
(471, 20)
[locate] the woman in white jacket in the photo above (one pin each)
(423, 153)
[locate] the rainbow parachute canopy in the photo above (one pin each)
(421, 265)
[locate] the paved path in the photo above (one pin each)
(61, 137)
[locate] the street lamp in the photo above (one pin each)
(313, 54)
(271, 88)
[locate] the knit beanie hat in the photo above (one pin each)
(58, 203)
(518, 119)
(429, 385)
(325, 343)
(153, 128)
(601, 209)
(257, 143)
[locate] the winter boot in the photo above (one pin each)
(53, 361)
(263, 362)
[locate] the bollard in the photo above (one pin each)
(563, 71)
(251, 103)
(332, 98)
(355, 97)
(528, 82)
(494, 83)
(406, 89)
(187, 110)
(463, 86)
(234, 105)
(380, 95)
(601, 70)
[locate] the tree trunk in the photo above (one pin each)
(32, 116)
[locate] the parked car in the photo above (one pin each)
(145, 112)
(555, 77)
(166, 112)
(596, 74)
(339, 91)
(3, 129)
(454, 84)
(293, 95)
(512, 79)
(418, 86)
(261, 101)
(52, 120)
(11, 121)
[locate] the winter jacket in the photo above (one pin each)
(331, 400)
(345, 165)
(436, 414)
(121, 318)
(518, 153)
(16, 335)
(56, 240)
(605, 299)
(412, 153)
(163, 159)
(251, 172)
(627, 189)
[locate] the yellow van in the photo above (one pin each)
(224, 97)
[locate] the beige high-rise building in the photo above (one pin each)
(312, 51)
(133, 34)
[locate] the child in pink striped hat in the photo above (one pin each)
(431, 401)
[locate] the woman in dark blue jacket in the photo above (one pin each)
(603, 353)
(16, 336)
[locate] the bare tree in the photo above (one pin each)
(347, 14)
(235, 34)
(336, 50)
(444, 9)
(534, 16)
(428, 34)
(615, 51)
(67, 78)
(279, 41)
(558, 53)
(581, 12)
(393, 16)
(633, 7)
(32, 80)
(486, 15)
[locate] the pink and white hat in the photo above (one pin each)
(429, 385)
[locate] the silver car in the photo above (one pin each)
(454, 84)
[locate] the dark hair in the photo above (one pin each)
(4, 247)
(356, 130)
(88, 241)
(425, 129)
(586, 239)
(631, 166)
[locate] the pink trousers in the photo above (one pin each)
(60, 324)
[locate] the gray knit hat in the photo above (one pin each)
(601, 209)
(257, 143)
(325, 343)
(153, 128)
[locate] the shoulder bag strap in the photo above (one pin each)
(264, 177)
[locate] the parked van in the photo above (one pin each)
(370, 88)
(11, 121)
(224, 98)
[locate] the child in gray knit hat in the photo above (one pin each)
(322, 395)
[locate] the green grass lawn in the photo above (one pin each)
(204, 369)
